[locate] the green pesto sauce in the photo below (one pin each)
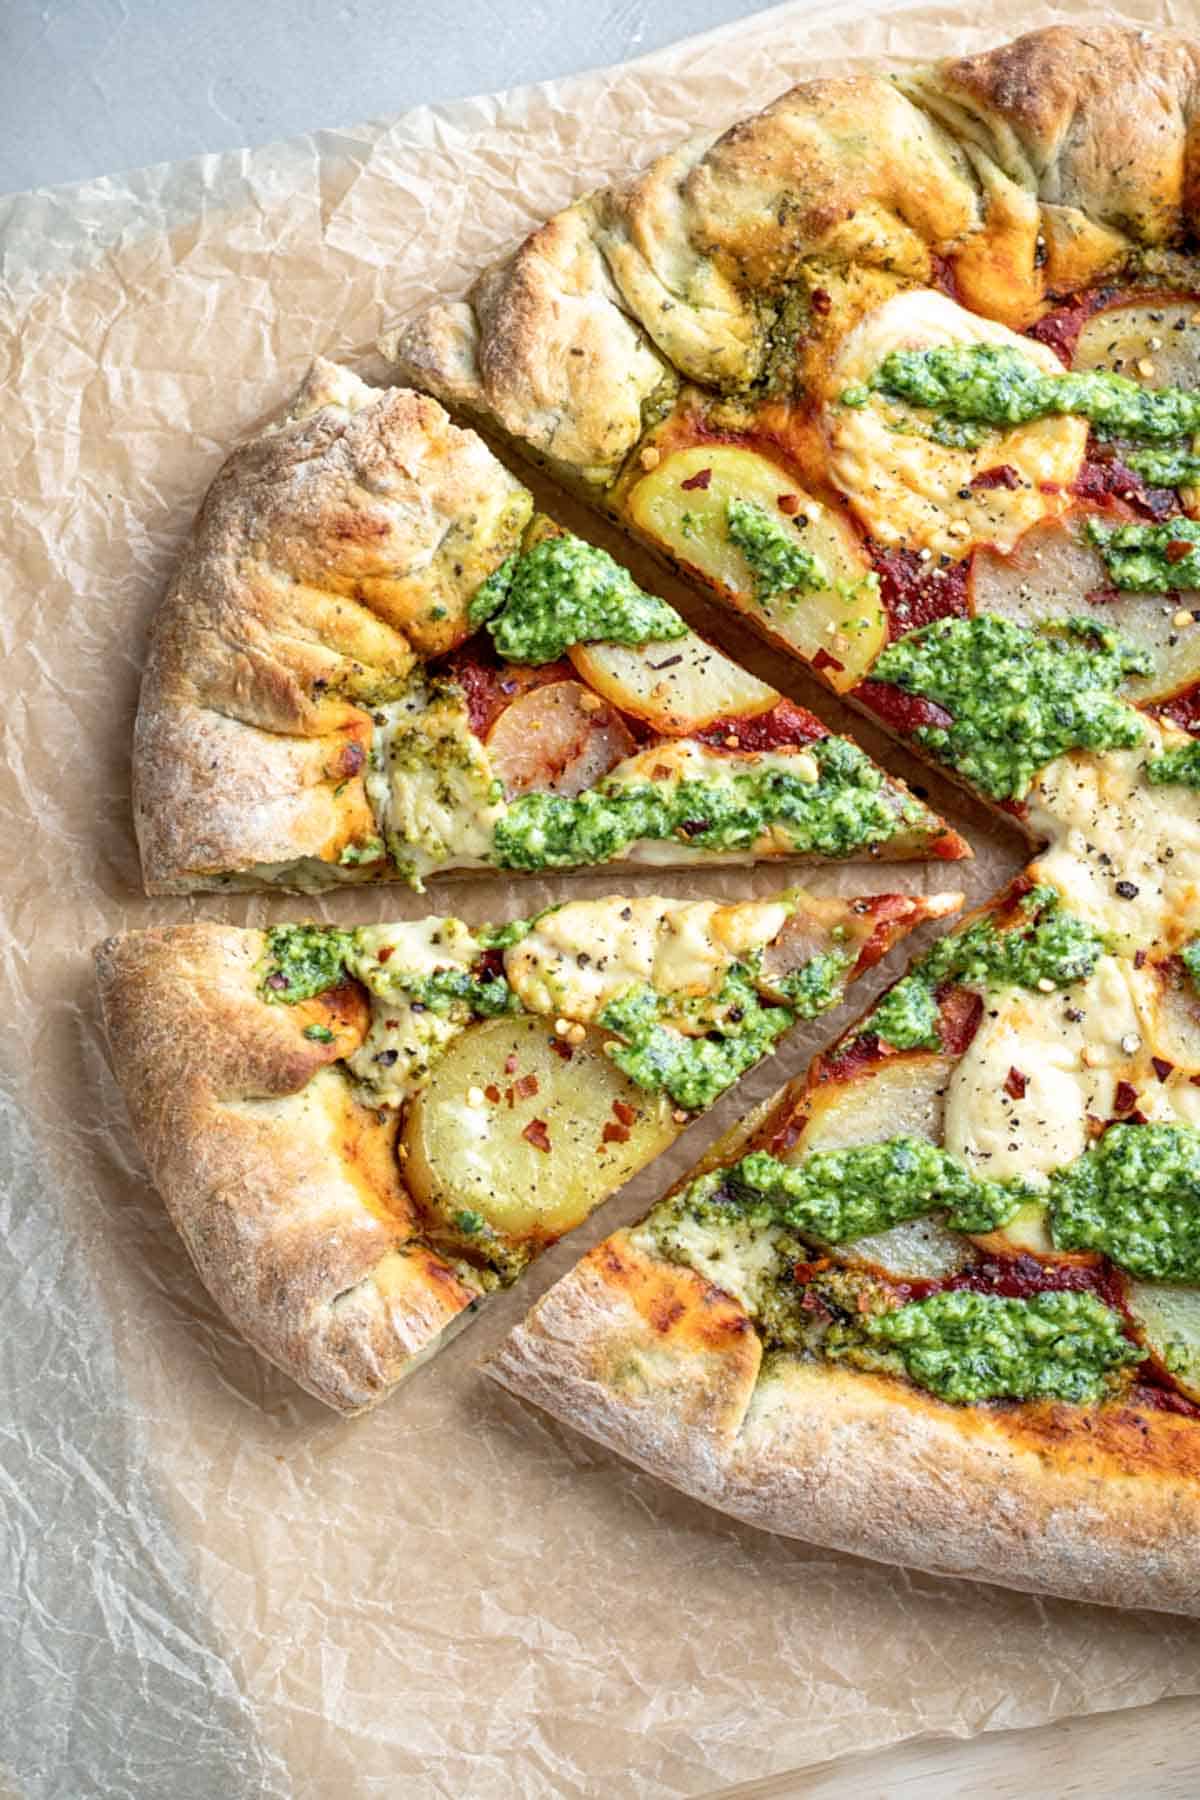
(1136, 559)
(836, 1196)
(846, 809)
(817, 985)
(1135, 1195)
(995, 384)
(1180, 766)
(1190, 957)
(562, 592)
(778, 562)
(1176, 467)
(1017, 698)
(1055, 946)
(694, 1071)
(487, 996)
(303, 960)
(965, 1346)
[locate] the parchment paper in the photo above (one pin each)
(209, 1586)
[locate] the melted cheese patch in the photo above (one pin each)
(430, 784)
(1124, 855)
(404, 1041)
(582, 955)
(1071, 1048)
(909, 491)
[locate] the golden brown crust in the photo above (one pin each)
(331, 551)
(284, 1188)
(1092, 1504)
(1028, 171)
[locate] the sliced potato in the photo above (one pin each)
(1158, 344)
(1049, 576)
(677, 686)
(920, 1247)
(1169, 1318)
(900, 1094)
(691, 523)
(558, 738)
(1027, 1230)
(534, 1165)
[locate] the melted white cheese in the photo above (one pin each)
(911, 492)
(430, 783)
(580, 956)
(1108, 826)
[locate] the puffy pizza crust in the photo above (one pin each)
(285, 1190)
(650, 1359)
(1029, 171)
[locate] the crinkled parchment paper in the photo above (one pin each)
(209, 1587)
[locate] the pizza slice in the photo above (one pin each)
(376, 662)
(361, 1133)
(904, 370)
(938, 1302)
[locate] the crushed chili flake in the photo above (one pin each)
(615, 1134)
(789, 504)
(1015, 1084)
(1162, 1068)
(1139, 959)
(526, 1086)
(561, 1048)
(700, 479)
(1002, 476)
(537, 1134)
(1178, 549)
(510, 1063)
(821, 302)
(624, 1112)
(1125, 1098)
(492, 1092)
(823, 660)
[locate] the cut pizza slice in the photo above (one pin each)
(939, 1302)
(903, 370)
(360, 1133)
(375, 662)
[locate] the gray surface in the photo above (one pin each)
(91, 86)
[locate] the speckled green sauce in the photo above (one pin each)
(302, 961)
(1055, 946)
(1135, 1195)
(779, 563)
(966, 1347)
(847, 809)
(994, 384)
(1136, 556)
(563, 592)
(1017, 698)
(694, 1071)
(1181, 767)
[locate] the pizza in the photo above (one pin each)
(360, 1133)
(904, 370)
(376, 662)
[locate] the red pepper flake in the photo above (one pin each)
(615, 1134)
(1178, 549)
(1162, 1068)
(510, 1063)
(492, 1092)
(821, 302)
(700, 479)
(1015, 1084)
(525, 1087)
(1195, 1080)
(1125, 1098)
(1002, 476)
(561, 1048)
(823, 660)
(624, 1112)
(789, 504)
(385, 953)
(1095, 1127)
(1139, 959)
(391, 1024)
(536, 1133)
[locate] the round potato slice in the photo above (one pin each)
(1049, 575)
(558, 738)
(513, 1139)
(1169, 1318)
(677, 686)
(846, 620)
(1156, 343)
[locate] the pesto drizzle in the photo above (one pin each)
(561, 592)
(1016, 698)
(693, 1070)
(779, 563)
(1180, 766)
(1149, 559)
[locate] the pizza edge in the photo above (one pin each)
(647, 1358)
